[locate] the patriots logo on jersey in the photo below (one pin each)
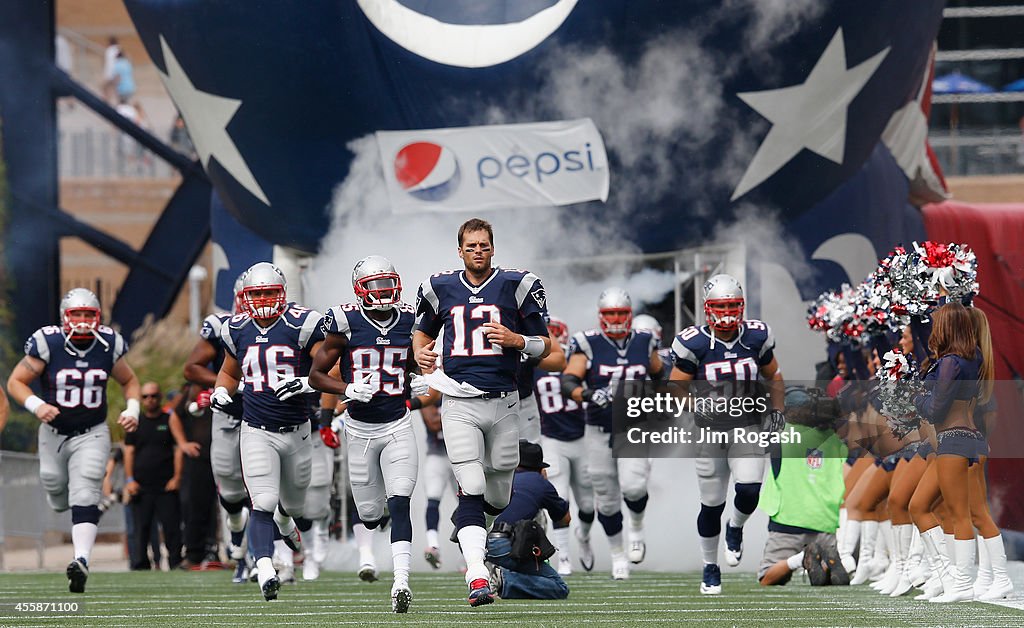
(476, 299)
(381, 340)
(540, 297)
(205, 332)
(261, 339)
(328, 320)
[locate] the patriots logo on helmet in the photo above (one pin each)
(427, 171)
(815, 458)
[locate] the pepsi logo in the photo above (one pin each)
(427, 171)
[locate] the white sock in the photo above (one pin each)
(561, 538)
(615, 545)
(83, 536)
(738, 519)
(284, 522)
(636, 521)
(364, 541)
(473, 541)
(265, 569)
(432, 538)
(795, 561)
(284, 553)
(401, 556)
(237, 520)
(709, 549)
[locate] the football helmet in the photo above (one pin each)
(376, 283)
(263, 291)
(236, 291)
(615, 312)
(723, 302)
(647, 322)
(560, 329)
(80, 314)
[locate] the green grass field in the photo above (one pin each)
(209, 599)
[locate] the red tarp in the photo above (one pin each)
(996, 234)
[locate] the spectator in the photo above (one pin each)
(179, 138)
(802, 492)
(113, 493)
(124, 77)
(193, 432)
(153, 467)
(516, 546)
(109, 76)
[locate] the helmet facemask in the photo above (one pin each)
(616, 322)
(81, 323)
(381, 291)
(724, 314)
(263, 302)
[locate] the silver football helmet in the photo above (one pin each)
(80, 314)
(723, 302)
(264, 290)
(647, 322)
(615, 312)
(376, 283)
(559, 328)
(236, 295)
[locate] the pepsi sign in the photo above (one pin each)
(427, 171)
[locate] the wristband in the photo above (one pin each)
(326, 416)
(32, 403)
(587, 394)
(129, 480)
(132, 408)
(533, 347)
(415, 403)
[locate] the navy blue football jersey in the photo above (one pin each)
(610, 361)
(739, 359)
(377, 353)
(514, 298)
(266, 356)
(525, 376)
(560, 418)
(210, 332)
(75, 380)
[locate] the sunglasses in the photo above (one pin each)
(156, 396)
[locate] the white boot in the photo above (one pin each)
(1001, 585)
(918, 567)
(935, 546)
(963, 584)
(851, 534)
(880, 559)
(902, 535)
(983, 581)
(868, 534)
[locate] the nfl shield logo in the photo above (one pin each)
(814, 458)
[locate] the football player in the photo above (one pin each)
(267, 347)
(438, 477)
(318, 495)
(562, 426)
(729, 349)
(529, 413)
(373, 340)
(201, 368)
(601, 359)
(73, 362)
(489, 316)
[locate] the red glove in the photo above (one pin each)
(203, 398)
(329, 437)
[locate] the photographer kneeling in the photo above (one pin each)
(517, 548)
(802, 493)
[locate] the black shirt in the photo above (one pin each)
(154, 452)
(531, 493)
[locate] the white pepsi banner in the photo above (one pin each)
(494, 167)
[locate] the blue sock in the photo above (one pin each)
(433, 513)
(401, 522)
(470, 511)
(261, 534)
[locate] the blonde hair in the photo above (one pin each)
(984, 335)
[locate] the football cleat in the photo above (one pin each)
(711, 582)
(293, 540)
(310, 569)
(586, 552)
(401, 598)
(286, 575)
(433, 556)
(480, 593)
(564, 565)
(78, 573)
(241, 572)
(270, 588)
(367, 573)
(620, 568)
(637, 551)
(733, 545)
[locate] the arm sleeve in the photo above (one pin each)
(428, 319)
(935, 402)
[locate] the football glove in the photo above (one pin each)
(329, 437)
(203, 399)
(359, 391)
(288, 388)
(220, 399)
(418, 386)
(601, 398)
(775, 421)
